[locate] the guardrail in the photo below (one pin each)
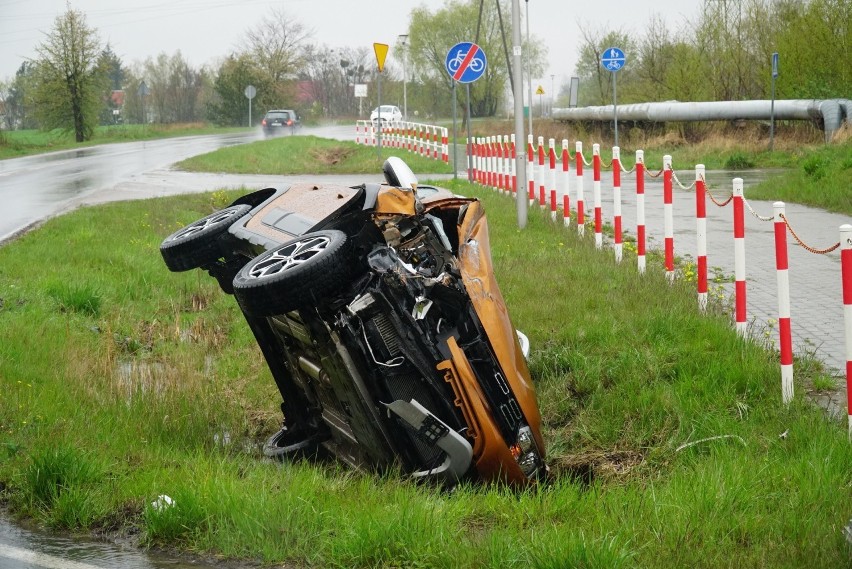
(427, 140)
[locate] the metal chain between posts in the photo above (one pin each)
(806, 247)
(606, 166)
(657, 175)
(586, 162)
(682, 187)
(754, 213)
(626, 171)
(713, 199)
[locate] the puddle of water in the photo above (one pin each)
(22, 548)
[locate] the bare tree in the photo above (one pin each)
(69, 84)
(277, 44)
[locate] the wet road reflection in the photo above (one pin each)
(25, 549)
(35, 187)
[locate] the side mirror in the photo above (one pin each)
(397, 173)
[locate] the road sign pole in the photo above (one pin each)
(469, 135)
(379, 115)
(615, 106)
(455, 137)
(249, 113)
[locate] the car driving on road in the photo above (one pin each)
(378, 314)
(280, 121)
(388, 114)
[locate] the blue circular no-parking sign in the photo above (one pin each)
(466, 62)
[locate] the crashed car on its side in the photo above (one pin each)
(378, 314)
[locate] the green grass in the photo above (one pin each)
(17, 143)
(819, 178)
(102, 411)
(300, 154)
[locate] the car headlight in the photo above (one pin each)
(526, 453)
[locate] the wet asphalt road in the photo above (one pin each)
(34, 188)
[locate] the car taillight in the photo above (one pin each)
(289, 122)
(526, 454)
(263, 122)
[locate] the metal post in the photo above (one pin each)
(518, 95)
(529, 70)
(379, 114)
(249, 113)
(615, 106)
(467, 86)
(404, 41)
(772, 104)
(455, 136)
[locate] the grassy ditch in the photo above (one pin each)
(300, 154)
(17, 143)
(120, 381)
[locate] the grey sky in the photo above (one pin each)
(206, 30)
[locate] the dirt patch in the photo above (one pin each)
(588, 466)
(332, 156)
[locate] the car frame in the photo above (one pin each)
(376, 309)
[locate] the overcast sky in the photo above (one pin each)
(206, 30)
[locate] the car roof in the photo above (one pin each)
(280, 111)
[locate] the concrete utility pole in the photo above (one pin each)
(518, 94)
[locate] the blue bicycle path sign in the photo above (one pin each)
(466, 62)
(613, 59)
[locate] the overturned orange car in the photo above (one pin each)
(376, 309)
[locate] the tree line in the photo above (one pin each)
(724, 53)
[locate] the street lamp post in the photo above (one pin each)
(403, 41)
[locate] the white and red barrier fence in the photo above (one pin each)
(427, 140)
(543, 183)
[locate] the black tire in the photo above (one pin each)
(196, 245)
(299, 273)
(281, 446)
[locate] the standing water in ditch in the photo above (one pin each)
(26, 549)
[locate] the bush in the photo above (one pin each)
(815, 166)
(739, 161)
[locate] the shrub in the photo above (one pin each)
(739, 161)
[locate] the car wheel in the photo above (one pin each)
(298, 273)
(196, 245)
(280, 447)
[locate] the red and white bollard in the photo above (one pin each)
(566, 185)
(483, 172)
(846, 272)
(616, 202)
(489, 160)
(542, 199)
(530, 170)
(513, 165)
(668, 213)
(501, 173)
(640, 210)
(581, 214)
(445, 145)
(551, 155)
(701, 236)
(784, 329)
(739, 257)
(596, 189)
(471, 160)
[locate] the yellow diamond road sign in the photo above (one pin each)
(381, 50)
(540, 90)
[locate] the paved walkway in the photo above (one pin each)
(815, 280)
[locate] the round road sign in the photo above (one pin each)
(466, 62)
(250, 92)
